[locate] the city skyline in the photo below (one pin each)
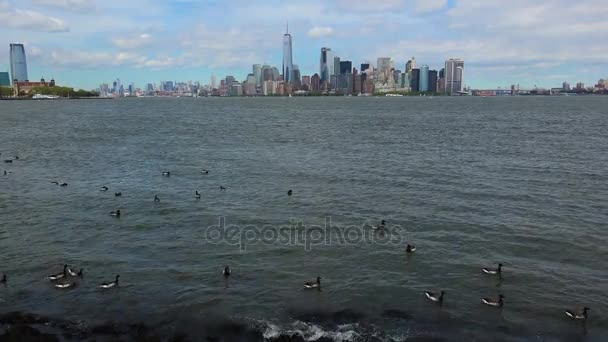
(140, 42)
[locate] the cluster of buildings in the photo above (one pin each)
(18, 78)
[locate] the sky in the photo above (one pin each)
(83, 43)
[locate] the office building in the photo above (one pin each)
(5, 79)
(454, 76)
(364, 67)
(18, 63)
(346, 67)
(315, 83)
(287, 58)
(433, 81)
(423, 85)
(415, 81)
(325, 71)
(257, 73)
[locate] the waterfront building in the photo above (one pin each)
(433, 81)
(357, 84)
(306, 80)
(423, 84)
(454, 76)
(230, 80)
(383, 67)
(315, 83)
(5, 79)
(18, 63)
(364, 67)
(287, 58)
(345, 67)
(257, 73)
(325, 71)
(566, 86)
(297, 78)
(415, 81)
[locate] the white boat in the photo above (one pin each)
(394, 95)
(45, 97)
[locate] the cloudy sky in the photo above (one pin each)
(83, 43)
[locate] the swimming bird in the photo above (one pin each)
(313, 285)
(3, 281)
(64, 184)
(104, 188)
(381, 225)
(493, 271)
(222, 188)
(289, 193)
(226, 271)
(115, 213)
(110, 284)
(156, 199)
(65, 286)
(56, 183)
(433, 297)
(205, 172)
(410, 248)
(495, 303)
(167, 173)
(59, 275)
(16, 157)
(72, 273)
(197, 195)
(582, 315)
(118, 194)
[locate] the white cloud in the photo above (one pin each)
(320, 31)
(424, 6)
(69, 5)
(30, 20)
(133, 42)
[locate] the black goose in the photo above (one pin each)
(59, 275)
(582, 315)
(495, 303)
(433, 297)
(64, 184)
(110, 284)
(156, 199)
(115, 213)
(197, 195)
(290, 192)
(118, 194)
(104, 188)
(226, 271)
(73, 273)
(380, 226)
(65, 286)
(313, 285)
(410, 248)
(167, 173)
(497, 271)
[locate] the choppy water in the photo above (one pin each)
(470, 181)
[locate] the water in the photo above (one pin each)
(470, 181)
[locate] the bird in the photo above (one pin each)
(118, 194)
(8, 161)
(495, 303)
(167, 173)
(433, 297)
(203, 171)
(582, 315)
(64, 184)
(16, 157)
(290, 192)
(66, 285)
(197, 195)
(410, 248)
(72, 273)
(493, 271)
(226, 271)
(156, 199)
(222, 188)
(381, 225)
(4, 280)
(56, 183)
(59, 275)
(313, 285)
(115, 213)
(110, 284)
(104, 188)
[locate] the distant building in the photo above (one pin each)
(315, 83)
(230, 80)
(18, 63)
(297, 78)
(441, 81)
(306, 80)
(236, 89)
(433, 79)
(454, 76)
(357, 85)
(364, 67)
(346, 67)
(325, 71)
(415, 81)
(566, 86)
(5, 79)
(287, 58)
(424, 79)
(580, 86)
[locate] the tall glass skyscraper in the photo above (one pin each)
(257, 73)
(325, 64)
(454, 75)
(287, 58)
(424, 78)
(18, 64)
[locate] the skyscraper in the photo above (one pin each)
(411, 64)
(415, 81)
(433, 81)
(424, 78)
(364, 67)
(213, 81)
(257, 73)
(454, 75)
(336, 66)
(18, 63)
(346, 67)
(326, 59)
(287, 58)
(5, 80)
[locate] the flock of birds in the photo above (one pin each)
(60, 280)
